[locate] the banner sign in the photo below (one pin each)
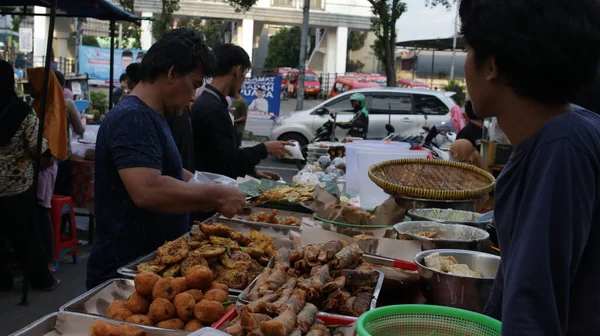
(96, 62)
(25, 40)
(263, 95)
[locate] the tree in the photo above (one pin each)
(211, 30)
(90, 41)
(460, 96)
(284, 48)
(164, 22)
(356, 40)
(354, 66)
(445, 3)
(241, 5)
(386, 14)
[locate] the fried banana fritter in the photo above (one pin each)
(209, 251)
(173, 251)
(233, 278)
(225, 242)
(154, 266)
(237, 259)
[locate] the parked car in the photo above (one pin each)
(312, 85)
(347, 83)
(408, 110)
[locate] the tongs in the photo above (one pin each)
(379, 260)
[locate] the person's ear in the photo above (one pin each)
(171, 73)
(491, 68)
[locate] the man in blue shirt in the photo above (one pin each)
(142, 198)
(526, 60)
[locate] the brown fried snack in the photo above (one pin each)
(161, 310)
(154, 266)
(101, 328)
(199, 277)
(172, 271)
(184, 306)
(232, 278)
(210, 251)
(180, 281)
(209, 312)
(216, 229)
(173, 251)
(262, 241)
(254, 252)
(237, 260)
(235, 328)
(306, 317)
(357, 278)
(165, 288)
(140, 319)
(196, 294)
(193, 325)
(282, 325)
(262, 278)
(117, 310)
(251, 321)
(348, 257)
(196, 239)
(173, 323)
(138, 304)
(216, 285)
(225, 242)
(129, 330)
(240, 238)
(192, 259)
(144, 282)
(216, 295)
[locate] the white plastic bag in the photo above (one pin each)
(210, 178)
(295, 150)
(208, 332)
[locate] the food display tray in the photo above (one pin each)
(279, 229)
(242, 301)
(286, 206)
(96, 300)
(75, 324)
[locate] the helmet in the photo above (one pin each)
(359, 97)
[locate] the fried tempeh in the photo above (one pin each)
(348, 257)
(306, 317)
(282, 325)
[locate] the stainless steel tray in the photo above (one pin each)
(75, 324)
(258, 226)
(96, 300)
(242, 301)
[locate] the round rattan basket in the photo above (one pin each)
(431, 179)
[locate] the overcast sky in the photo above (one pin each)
(421, 22)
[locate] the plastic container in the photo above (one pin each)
(372, 195)
(367, 145)
(425, 320)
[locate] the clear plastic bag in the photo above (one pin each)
(210, 178)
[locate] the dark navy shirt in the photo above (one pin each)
(547, 219)
(132, 135)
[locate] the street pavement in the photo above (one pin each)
(262, 127)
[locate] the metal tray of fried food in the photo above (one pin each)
(75, 324)
(283, 229)
(96, 300)
(242, 301)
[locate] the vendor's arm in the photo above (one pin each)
(187, 175)
(75, 117)
(548, 239)
(493, 307)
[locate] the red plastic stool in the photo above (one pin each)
(65, 240)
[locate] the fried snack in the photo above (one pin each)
(262, 241)
(328, 250)
(250, 321)
(138, 304)
(279, 326)
(232, 278)
(237, 260)
(154, 266)
(262, 278)
(193, 325)
(337, 283)
(312, 252)
(173, 323)
(161, 310)
(140, 319)
(216, 285)
(210, 251)
(184, 306)
(144, 282)
(254, 252)
(117, 310)
(318, 330)
(348, 307)
(357, 278)
(276, 279)
(429, 235)
(348, 257)
(173, 251)
(165, 288)
(296, 332)
(235, 328)
(216, 295)
(196, 294)
(101, 328)
(225, 242)
(240, 238)
(196, 239)
(306, 317)
(192, 259)
(440, 263)
(172, 271)
(295, 302)
(129, 330)
(209, 312)
(180, 281)
(257, 305)
(199, 277)
(362, 303)
(216, 229)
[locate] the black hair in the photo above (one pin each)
(231, 56)
(469, 110)
(133, 73)
(140, 55)
(123, 77)
(260, 89)
(60, 76)
(127, 53)
(544, 49)
(588, 96)
(7, 78)
(181, 48)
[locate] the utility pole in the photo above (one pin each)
(302, 68)
(453, 60)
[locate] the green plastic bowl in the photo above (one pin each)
(425, 320)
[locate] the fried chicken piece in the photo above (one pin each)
(192, 259)
(209, 251)
(154, 266)
(348, 257)
(282, 325)
(101, 328)
(357, 278)
(216, 229)
(237, 259)
(328, 250)
(173, 251)
(254, 252)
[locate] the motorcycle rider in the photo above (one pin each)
(359, 125)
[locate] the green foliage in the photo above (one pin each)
(99, 103)
(356, 40)
(446, 3)
(90, 41)
(211, 30)
(16, 19)
(284, 48)
(457, 87)
(241, 5)
(165, 21)
(386, 14)
(354, 66)
(126, 5)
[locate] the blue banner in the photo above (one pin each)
(263, 95)
(96, 62)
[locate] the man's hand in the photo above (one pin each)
(277, 148)
(264, 174)
(230, 201)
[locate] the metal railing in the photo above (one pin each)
(63, 64)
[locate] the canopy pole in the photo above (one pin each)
(432, 64)
(454, 44)
(38, 153)
(111, 85)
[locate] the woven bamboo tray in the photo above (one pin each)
(431, 179)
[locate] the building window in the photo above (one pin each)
(317, 4)
(283, 3)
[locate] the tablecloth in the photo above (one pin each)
(82, 182)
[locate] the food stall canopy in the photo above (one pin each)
(97, 9)
(438, 44)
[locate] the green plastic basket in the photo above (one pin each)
(425, 320)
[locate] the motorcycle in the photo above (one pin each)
(324, 133)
